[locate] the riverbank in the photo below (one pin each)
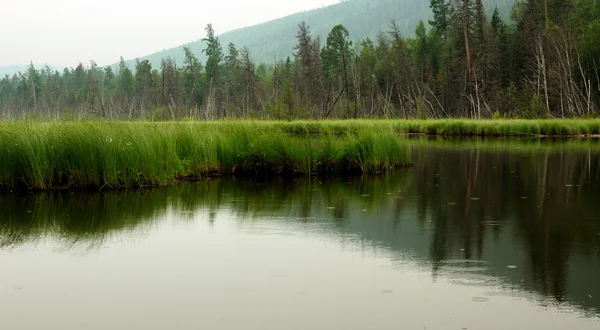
(461, 127)
(106, 155)
(504, 128)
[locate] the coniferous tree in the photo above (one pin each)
(214, 54)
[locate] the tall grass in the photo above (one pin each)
(459, 127)
(102, 155)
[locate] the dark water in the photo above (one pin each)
(478, 235)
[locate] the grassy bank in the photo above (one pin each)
(547, 127)
(101, 155)
(461, 127)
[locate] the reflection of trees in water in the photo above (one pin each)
(473, 197)
(74, 218)
(80, 217)
(545, 195)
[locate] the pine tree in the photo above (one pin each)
(441, 16)
(303, 55)
(214, 54)
(192, 70)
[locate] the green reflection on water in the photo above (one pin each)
(532, 205)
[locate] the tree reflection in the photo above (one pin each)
(533, 205)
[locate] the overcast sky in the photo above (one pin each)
(65, 32)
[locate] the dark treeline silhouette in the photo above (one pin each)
(545, 62)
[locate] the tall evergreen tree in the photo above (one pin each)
(441, 16)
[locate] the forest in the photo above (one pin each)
(543, 62)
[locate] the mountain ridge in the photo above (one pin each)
(275, 39)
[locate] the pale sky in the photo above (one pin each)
(65, 32)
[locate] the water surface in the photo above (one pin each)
(477, 235)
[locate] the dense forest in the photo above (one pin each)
(362, 18)
(544, 62)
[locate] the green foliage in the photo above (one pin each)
(214, 54)
(126, 79)
(441, 16)
(337, 52)
(464, 65)
(532, 106)
(98, 155)
(192, 78)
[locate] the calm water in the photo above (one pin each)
(478, 235)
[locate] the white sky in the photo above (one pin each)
(65, 32)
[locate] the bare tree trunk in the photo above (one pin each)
(372, 96)
(34, 96)
(276, 83)
(467, 47)
(478, 105)
(546, 14)
(346, 84)
(335, 102)
(357, 91)
(542, 67)
(208, 112)
(171, 107)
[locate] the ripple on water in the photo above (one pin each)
(467, 269)
(467, 272)
(473, 279)
(481, 299)
(462, 261)
(490, 223)
(552, 302)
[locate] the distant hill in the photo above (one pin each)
(12, 69)
(362, 18)
(276, 39)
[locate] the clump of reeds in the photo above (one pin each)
(101, 155)
(467, 127)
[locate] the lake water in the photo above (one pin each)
(478, 234)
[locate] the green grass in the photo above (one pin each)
(103, 155)
(465, 127)
(534, 144)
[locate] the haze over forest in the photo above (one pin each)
(266, 40)
(357, 59)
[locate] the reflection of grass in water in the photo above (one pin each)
(74, 218)
(89, 219)
(84, 220)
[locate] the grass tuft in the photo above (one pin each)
(104, 155)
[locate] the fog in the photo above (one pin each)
(66, 32)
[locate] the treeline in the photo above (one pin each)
(545, 63)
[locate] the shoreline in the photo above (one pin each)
(103, 155)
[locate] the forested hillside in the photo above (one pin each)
(274, 39)
(463, 62)
(362, 18)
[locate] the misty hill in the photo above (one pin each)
(362, 18)
(276, 39)
(12, 69)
